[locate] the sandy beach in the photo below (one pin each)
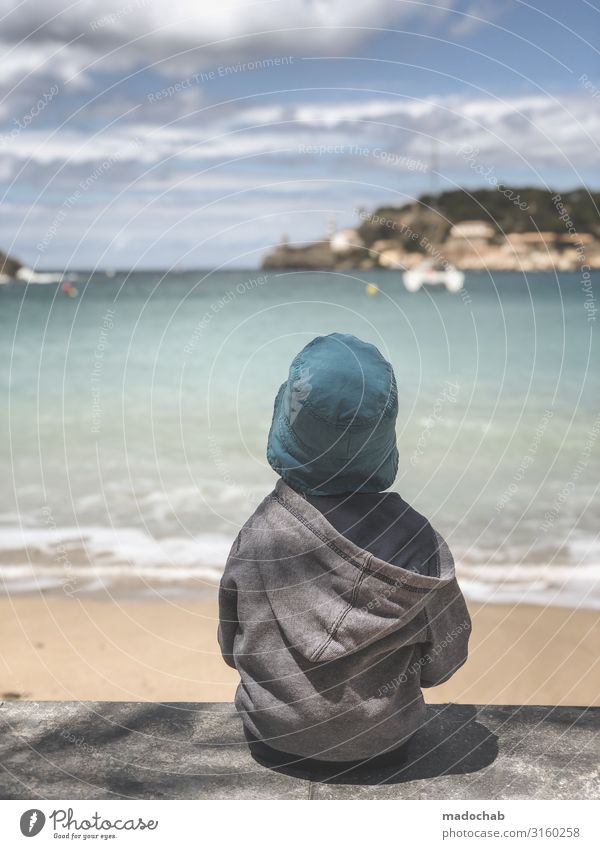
(84, 649)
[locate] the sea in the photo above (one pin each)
(135, 419)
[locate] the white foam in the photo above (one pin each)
(56, 557)
(48, 557)
(554, 586)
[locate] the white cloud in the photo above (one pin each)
(504, 130)
(334, 114)
(121, 34)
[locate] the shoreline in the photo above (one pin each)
(561, 586)
(130, 650)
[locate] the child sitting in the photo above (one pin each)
(338, 601)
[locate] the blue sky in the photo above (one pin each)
(141, 133)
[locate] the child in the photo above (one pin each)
(338, 601)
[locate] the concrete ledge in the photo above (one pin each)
(130, 750)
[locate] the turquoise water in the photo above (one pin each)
(137, 416)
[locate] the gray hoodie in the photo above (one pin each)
(333, 644)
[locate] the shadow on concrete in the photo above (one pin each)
(126, 750)
(451, 742)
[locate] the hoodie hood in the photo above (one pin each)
(329, 596)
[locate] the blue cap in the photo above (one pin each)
(333, 428)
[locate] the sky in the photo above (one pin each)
(141, 133)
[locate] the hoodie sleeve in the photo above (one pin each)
(228, 617)
(448, 630)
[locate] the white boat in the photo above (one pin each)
(434, 274)
(28, 275)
